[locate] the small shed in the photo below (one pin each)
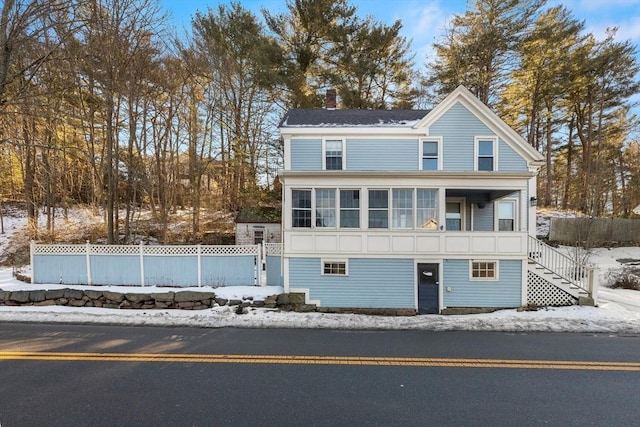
(255, 225)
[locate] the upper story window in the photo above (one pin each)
(506, 215)
(402, 202)
(325, 207)
(431, 155)
(378, 208)
(485, 154)
(349, 208)
(301, 208)
(333, 154)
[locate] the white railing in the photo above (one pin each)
(577, 273)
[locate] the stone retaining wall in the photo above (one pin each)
(184, 300)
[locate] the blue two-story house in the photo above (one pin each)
(414, 209)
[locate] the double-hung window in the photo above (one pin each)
(334, 154)
(325, 207)
(485, 154)
(349, 208)
(402, 208)
(301, 208)
(378, 208)
(506, 216)
(430, 155)
(427, 208)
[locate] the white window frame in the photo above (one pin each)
(292, 208)
(496, 213)
(476, 150)
(463, 212)
(438, 140)
(435, 226)
(388, 208)
(484, 279)
(314, 204)
(323, 262)
(395, 209)
(340, 208)
(324, 152)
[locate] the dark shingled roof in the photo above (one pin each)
(318, 117)
(257, 214)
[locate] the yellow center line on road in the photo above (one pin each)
(323, 360)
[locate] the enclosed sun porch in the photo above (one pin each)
(408, 217)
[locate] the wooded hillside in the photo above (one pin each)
(103, 103)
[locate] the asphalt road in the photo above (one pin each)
(74, 375)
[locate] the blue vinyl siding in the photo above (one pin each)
(458, 128)
(306, 154)
(483, 218)
(509, 160)
(63, 269)
(505, 292)
(371, 283)
(382, 154)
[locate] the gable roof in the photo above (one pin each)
(487, 116)
(318, 117)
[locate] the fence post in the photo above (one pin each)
(32, 248)
(88, 255)
(199, 265)
(593, 283)
(141, 264)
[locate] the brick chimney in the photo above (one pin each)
(330, 101)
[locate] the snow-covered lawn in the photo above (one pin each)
(618, 310)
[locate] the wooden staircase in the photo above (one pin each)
(573, 277)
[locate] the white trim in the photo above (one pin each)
(344, 152)
(438, 140)
(287, 153)
(344, 261)
(496, 214)
(476, 151)
(463, 212)
(484, 279)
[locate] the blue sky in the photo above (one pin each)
(423, 20)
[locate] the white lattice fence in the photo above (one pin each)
(542, 293)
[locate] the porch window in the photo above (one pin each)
(333, 154)
(506, 216)
(485, 149)
(454, 216)
(430, 151)
(325, 207)
(402, 208)
(349, 208)
(484, 270)
(301, 208)
(334, 268)
(378, 208)
(427, 208)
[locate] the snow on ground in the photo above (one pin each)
(618, 310)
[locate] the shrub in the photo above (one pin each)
(628, 278)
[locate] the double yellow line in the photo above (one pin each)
(324, 360)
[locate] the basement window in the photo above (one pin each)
(484, 270)
(334, 268)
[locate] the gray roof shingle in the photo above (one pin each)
(318, 117)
